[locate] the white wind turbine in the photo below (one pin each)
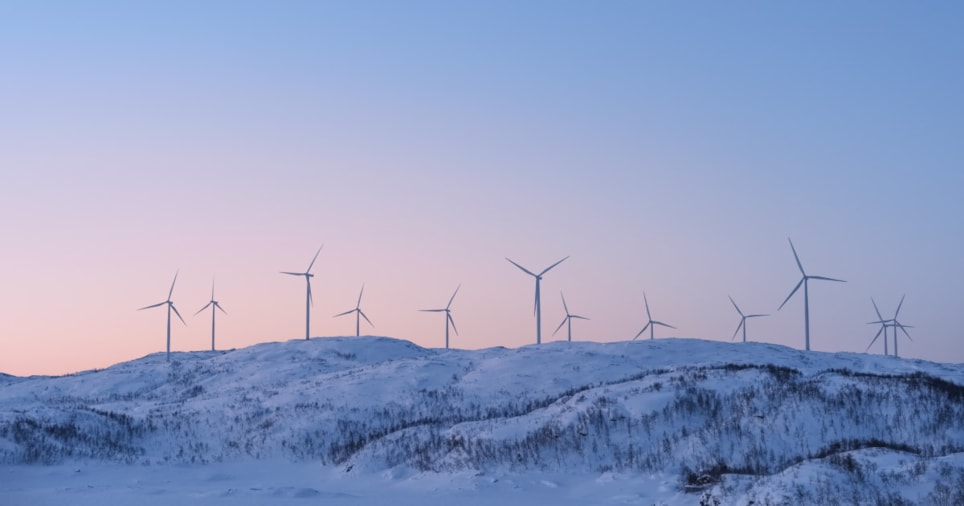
(213, 305)
(650, 323)
(308, 301)
(170, 306)
(883, 328)
(448, 316)
(743, 318)
(538, 306)
(898, 325)
(568, 318)
(359, 314)
(806, 293)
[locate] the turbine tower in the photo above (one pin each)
(214, 305)
(170, 306)
(308, 301)
(538, 307)
(898, 325)
(743, 318)
(650, 323)
(359, 314)
(568, 318)
(883, 328)
(448, 316)
(806, 294)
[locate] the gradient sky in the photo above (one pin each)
(668, 147)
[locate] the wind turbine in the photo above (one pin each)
(743, 318)
(883, 328)
(358, 314)
(308, 301)
(448, 316)
(806, 293)
(538, 307)
(650, 323)
(898, 325)
(214, 305)
(170, 306)
(568, 318)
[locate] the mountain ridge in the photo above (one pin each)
(712, 413)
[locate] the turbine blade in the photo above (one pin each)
(153, 305)
(553, 265)
(212, 288)
(362, 313)
(448, 316)
(756, 315)
(564, 320)
(823, 278)
(311, 299)
(879, 317)
(664, 324)
(738, 327)
(564, 306)
(874, 340)
(202, 309)
(641, 331)
(903, 328)
(178, 314)
(797, 258)
(527, 271)
(358, 305)
(293, 273)
(578, 317)
(219, 307)
(734, 305)
(432, 310)
(171, 292)
(899, 304)
(350, 311)
(313, 259)
(648, 316)
(453, 296)
(791, 293)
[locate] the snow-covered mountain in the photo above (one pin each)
(733, 423)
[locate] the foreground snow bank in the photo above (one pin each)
(275, 482)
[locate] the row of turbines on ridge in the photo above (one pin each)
(651, 324)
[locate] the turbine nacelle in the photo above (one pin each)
(804, 282)
(309, 301)
(650, 324)
(898, 325)
(170, 307)
(215, 306)
(448, 316)
(359, 313)
(537, 307)
(568, 319)
(743, 318)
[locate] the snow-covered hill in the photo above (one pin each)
(730, 422)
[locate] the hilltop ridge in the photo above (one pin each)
(730, 420)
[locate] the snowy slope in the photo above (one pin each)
(734, 422)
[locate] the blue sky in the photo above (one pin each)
(668, 148)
